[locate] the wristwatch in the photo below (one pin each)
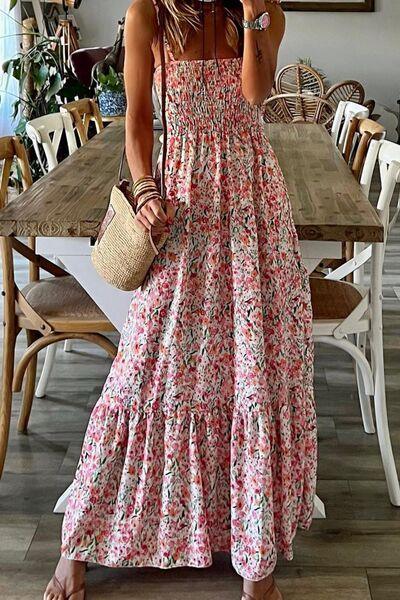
(262, 22)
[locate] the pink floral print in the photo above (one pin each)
(204, 437)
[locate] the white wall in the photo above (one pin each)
(362, 46)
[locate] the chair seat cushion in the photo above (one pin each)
(64, 304)
(333, 300)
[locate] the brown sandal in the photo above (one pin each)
(80, 593)
(272, 593)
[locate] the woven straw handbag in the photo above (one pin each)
(123, 253)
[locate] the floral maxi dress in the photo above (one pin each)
(204, 436)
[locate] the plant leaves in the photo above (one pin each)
(42, 74)
(55, 86)
(21, 127)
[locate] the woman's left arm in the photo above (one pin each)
(260, 52)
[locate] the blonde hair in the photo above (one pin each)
(181, 17)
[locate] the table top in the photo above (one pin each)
(327, 202)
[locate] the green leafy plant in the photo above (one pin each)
(110, 82)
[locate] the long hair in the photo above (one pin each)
(181, 17)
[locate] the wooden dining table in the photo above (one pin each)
(64, 209)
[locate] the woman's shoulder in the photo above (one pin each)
(141, 11)
(141, 15)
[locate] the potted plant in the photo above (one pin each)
(110, 91)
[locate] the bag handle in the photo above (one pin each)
(161, 27)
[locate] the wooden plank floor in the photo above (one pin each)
(352, 555)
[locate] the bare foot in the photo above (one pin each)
(266, 589)
(68, 581)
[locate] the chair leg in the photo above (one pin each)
(53, 338)
(46, 371)
(29, 388)
(10, 336)
(381, 416)
(354, 352)
(382, 426)
(365, 400)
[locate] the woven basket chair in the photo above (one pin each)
(298, 108)
(299, 79)
(347, 91)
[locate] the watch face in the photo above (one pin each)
(264, 20)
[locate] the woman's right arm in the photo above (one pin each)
(138, 74)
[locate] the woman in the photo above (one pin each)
(204, 437)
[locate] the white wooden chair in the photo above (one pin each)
(345, 311)
(46, 132)
(344, 113)
(384, 152)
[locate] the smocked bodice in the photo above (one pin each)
(213, 104)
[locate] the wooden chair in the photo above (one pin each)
(370, 104)
(346, 315)
(46, 133)
(51, 309)
(360, 134)
(83, 112)
(298, 108)
(299, 79)
(383, 152)
(346, 91)
(345, 111)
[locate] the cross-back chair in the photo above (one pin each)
(298, 108)
(360, 134)
(83, 112)
(345, 311)
(46, 132)
(51, 309)
(384, 152)
(345, 111)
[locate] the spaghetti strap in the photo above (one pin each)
(166, 43)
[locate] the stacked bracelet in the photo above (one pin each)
(144, 184)
(145, 189)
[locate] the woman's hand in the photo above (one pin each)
(156, 216)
